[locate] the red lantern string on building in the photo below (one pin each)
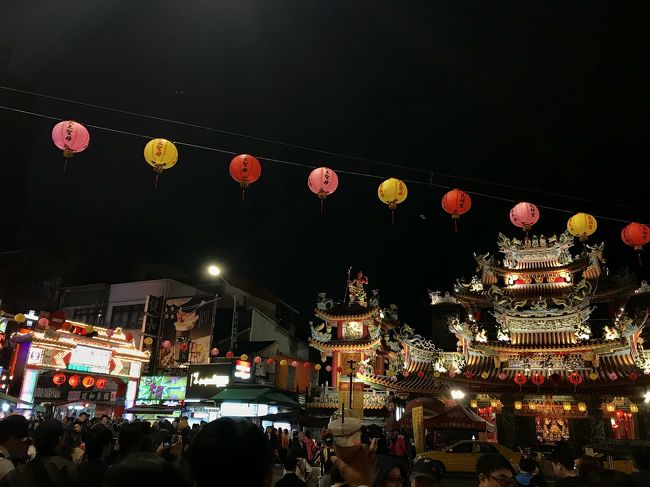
(307, 365)
(537, 379)
(229, 355)
(520, 379)
(636, 235)
(612, 376)
(71, 137)
(270, 361)
(245, 169)
(129, 337)
(575, 378)
(420, 374)
(469, 375)
(524, 215)
(502, 376)
(74, 380)
(101, 383)
(339, 369)
(59, 379)
(322, 182)
(328, 368)
(88, 381)
(294, 364)
(214, 352)
(456, 202)
(183, 346)
(405, 373)
(633, 376)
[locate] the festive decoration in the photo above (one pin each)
(636, 235)
(532, 406)
(20, 318)
(339, 369)
(393, 378)
(436, 374)
(502, 376)
(633, 376)
(214, 352)
(328, 368)
(485, 375)
(323, 182)
(420, 374)
(566, 406)
(520, 379)
(456, 203)
(243, 357)
(469, 375)
(71, 137)
(524, 215)
(593, 376)
(101, 383)
(43, 322)
(405, 373)
(611, 407)
(295, 364)
(283, 363)
(270, 361)
(183, 346)
(582, 407)
(59, 379)
(518, 405)
(128, 337)
(74, 380)
(148, 341)
(634, 408)
(306, 365)
(575, 378)
(245, 169)
(555, 378)
(317, 367)
(494, 403)
(392, 192)
(88, 381)
(473, 403)
(109, 333)
(160, 154)
(582, 225)
(166, 344)
(229, 354)
(537, 379)
(452, 374)
(613, 376)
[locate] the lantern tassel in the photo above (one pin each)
(392, 217)
(321, 207)
(638, 253)
(456, 226)
(65, 165)
(243, 194)
(155, 184)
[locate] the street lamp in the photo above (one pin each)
(457, 394)
(215, 271)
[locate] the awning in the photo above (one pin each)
(259, 395)
(20, 403)
(458, 417)
(159, 410)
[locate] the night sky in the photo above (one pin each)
(548, 96)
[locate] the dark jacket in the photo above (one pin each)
(52, 471)
(641, 478)
(290, 480)
(384, 465)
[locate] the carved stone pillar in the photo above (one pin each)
(506, 431)
(597, 435)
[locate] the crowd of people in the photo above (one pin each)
(84, 452)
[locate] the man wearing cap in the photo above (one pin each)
(13, 429)
(423, 473)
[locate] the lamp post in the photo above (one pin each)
(215, 271)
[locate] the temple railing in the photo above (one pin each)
(328, 397)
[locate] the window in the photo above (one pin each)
(87, 315)
(129, 316)
(462, 448)
(291, 379)
(485, 448)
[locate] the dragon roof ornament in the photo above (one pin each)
(437, 298)
(643, 288)
(419, 347)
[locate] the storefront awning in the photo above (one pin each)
(259, 395)
(160, 410)
(20, 403)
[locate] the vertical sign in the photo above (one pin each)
(153, 306)
(418, 428)
(357, 397)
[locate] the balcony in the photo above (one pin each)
(328, 397)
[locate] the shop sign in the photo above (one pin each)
(242, 370)
(90, 359)
(205, 380)
(35, 356)
(106, 396)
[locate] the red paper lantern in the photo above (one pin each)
(183, 346)
(538, 379)
(166, 344)
(214, 352)
(101, 383)
(270, 361)
(636, 235)
(456, 202)
(520, 379)
(633, 376)
(59, 379)
(469, 375)
(74, 381)
(339, 370)
(245, 169)
(307, 365)
(524, 215)
(575, 378)
(502, 376)
(612, 376)
(129, 337)
(109, 333)
(43, 322)
(257, 360)
(88, 381)
(452, 374)
(71, 137)
(420, 374)
(229, 355)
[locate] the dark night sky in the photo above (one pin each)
(545, 95)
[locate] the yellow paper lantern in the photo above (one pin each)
(494, 403)
(148, 341)
(317, 366)
(283, 363)
(392, 192)
(244, 357)
(473, 403)
(485, 375)
(532, 406)
(582, 407)
(582, 225)
(518, 405)
(593, 376)
(390, 373)
(611, 407)
(566, 406)
(20, 318)
(160, 154)
(436, 374)
(634, 408)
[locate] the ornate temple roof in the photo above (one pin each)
(411, 384)
(349, 345)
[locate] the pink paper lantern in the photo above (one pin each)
(452, 374)
(214, 352)
(109, 333)
(71, 137)
(502, 376)
(524, 215)
(166, 344)
(393, 378)
(328, 368)
(322, 182)
(405, 373)
(43, 322)
(295, 364)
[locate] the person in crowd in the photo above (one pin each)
(104, 419)
(134, 438)
(609, 478)
(290, 479)
(12, 431)
(326, 452)
(401, 449)
(310, 447)
(563, 462)
(142, 469)
(586, 465)
(284, 443)
(83, 419)
(641, 460)
(99, 443)
(224, 444)
(424, 473)
(494, 470)
(528, 473)
(48, 469)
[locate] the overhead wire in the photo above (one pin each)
(429, 182)
(431, 173)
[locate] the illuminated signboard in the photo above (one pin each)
(89, 359)
(242, 370)
(35, 356)
(161, 388)
(204, 381)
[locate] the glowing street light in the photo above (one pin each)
(214, 270)
(457, 394)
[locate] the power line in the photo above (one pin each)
(428, 183)
(317, 150)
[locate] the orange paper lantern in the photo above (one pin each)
(456, 203)
(245, 169)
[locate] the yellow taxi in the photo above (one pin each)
(463, 455)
